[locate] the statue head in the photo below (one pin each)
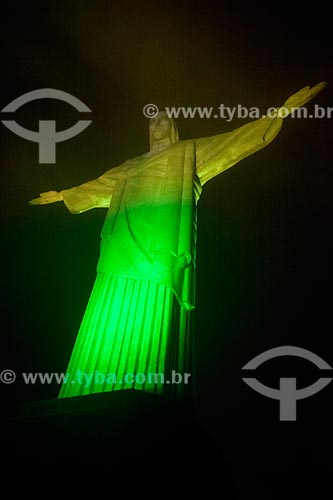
(162, 132)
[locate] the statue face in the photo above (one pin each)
(160, 127)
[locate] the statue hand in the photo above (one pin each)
(302, 97)
(46, 198)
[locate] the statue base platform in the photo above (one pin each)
(106, 436)
(116, 426)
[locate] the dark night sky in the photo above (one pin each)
(264, 251)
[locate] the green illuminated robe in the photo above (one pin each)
(138, 319)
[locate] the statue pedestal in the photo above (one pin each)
(103, 437)
(116, 426)
(143, 441)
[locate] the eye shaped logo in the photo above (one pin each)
(47, 137)
(287, 394)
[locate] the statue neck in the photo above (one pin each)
(160, 145)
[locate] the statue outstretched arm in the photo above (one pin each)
(92, 194)
(216, 154)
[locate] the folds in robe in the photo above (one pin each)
(150, 229)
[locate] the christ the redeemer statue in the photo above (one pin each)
(139, 316)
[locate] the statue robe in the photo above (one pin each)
(138, 319)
